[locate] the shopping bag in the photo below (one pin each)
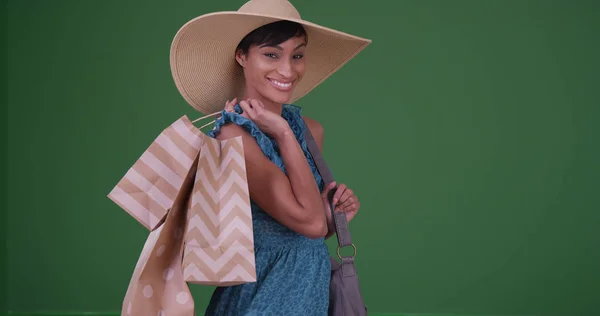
(150, 186)
(157, 286)
(191, 192)
(219, 238)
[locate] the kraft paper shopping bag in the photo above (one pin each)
(157, 286)
(150, 186)
(219, 238)
(191, 192)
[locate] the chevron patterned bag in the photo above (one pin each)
(191, 192)
(219, 238)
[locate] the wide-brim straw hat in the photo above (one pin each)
(203, 61)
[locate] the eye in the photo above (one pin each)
(270, 55)
(298, 56)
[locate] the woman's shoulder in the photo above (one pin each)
(299, 121)
(233, 124)
(314, 125)
(316, 129)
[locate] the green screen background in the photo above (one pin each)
(468, 130)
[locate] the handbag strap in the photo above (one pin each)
(339, 218)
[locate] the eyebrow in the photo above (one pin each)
(280, 48)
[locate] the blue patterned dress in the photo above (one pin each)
(293, 271)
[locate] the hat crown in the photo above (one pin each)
(279, 8)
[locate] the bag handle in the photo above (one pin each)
(206, 116)
(339, 218)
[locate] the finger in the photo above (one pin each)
(350, 215)
(328, 188)
(338, 193)
(256, 104)
(348, 194)
(347, 205)
(247, 108)
(249, 102)
(229, 105)
(244, 104)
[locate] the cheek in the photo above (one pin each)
(260, 70)
(253, 66)
(300, 68)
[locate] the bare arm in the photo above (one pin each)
(318, 133)
(293, 200)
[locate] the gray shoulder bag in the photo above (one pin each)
(345, 298)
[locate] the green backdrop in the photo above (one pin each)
(468, 130)
(3, 193)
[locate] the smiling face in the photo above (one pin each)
(272, 72)
(273, 61)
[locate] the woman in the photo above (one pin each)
(272, 64)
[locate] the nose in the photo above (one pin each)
(285, 70)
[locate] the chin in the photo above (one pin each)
(279, 97)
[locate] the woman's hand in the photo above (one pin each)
(269, 123)
(344, 200)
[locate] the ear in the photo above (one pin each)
(240, 57)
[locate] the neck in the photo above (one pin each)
(274, 107)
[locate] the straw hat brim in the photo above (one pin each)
(203, 61)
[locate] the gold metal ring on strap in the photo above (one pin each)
(353, 255)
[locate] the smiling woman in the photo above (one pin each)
(267, 63)
(289, 213)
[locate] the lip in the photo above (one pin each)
(288, 87)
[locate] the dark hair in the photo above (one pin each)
(271, 34)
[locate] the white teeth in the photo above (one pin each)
(283, 85)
